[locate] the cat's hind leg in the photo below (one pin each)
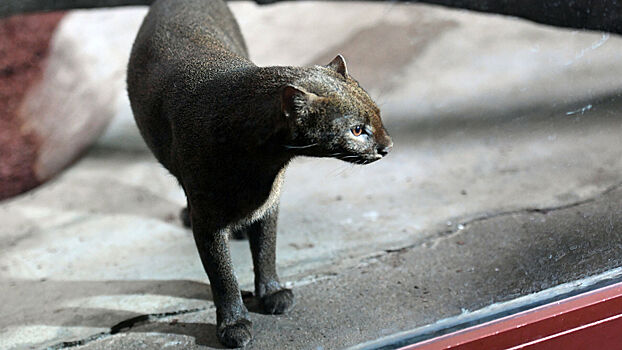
(240, 233)
(184, 215)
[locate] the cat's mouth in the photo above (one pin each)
(359, 158)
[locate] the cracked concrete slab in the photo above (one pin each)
(475, 170)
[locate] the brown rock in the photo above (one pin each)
(24, 44)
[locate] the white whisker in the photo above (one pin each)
(347, 167)
(296, 147)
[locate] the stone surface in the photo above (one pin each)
(491, 117)
(489, 261)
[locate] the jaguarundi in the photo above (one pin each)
(226, 129)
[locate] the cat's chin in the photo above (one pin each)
(360, 159)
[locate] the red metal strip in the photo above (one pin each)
(602, 334)
(582, 314)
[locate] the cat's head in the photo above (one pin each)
(330, 115)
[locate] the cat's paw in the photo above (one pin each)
(184, 215)
(278, 302)
(235, 335)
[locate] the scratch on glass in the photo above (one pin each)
(603, 39)
(581, 110)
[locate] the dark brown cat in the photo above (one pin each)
(226, 129)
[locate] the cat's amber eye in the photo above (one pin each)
(357, 130)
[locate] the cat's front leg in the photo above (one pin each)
(274, 298)
(234, 325)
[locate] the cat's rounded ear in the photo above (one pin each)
(338, 64)
(296, 101)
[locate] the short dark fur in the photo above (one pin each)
(226, 129)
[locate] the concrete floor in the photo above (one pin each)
(490, 260)
(480, 202)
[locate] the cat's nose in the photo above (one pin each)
(384, 150)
